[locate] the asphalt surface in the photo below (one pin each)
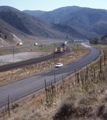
(31, 61)
(22, 88)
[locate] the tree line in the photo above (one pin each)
(96, 40)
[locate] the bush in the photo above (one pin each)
(15, 105)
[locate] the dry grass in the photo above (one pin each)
(70, 101)
(36, 107)
(23, 72)
(45, 49)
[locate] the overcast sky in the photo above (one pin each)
(48, 5)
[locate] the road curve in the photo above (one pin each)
(30, 61)
(22, 88)
(33, 61)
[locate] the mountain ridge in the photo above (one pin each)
(79, 17)
(22, 24)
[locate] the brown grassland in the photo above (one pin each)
(82, 96)
(26, 71)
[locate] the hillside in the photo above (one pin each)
(8, 34)
(74, 32)
(7, 38)
(104, 39)
(82, 18)
(99, 27)
(35, 13)
(24, 25)
(8, 8)
(54, 16)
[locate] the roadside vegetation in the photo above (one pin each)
(44, 49)
(20, 53)
(82, 96)
(44, 100)
(26, 71)
(97, 41)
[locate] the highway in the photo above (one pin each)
(27, 86)
(30, 61)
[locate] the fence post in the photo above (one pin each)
(13, 52)
(8, 106)
(54, 78)
(100, 65)
(45, 89)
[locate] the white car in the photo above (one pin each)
(35, 44)
(19, 44)
(58, 65)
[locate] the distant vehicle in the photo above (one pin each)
(58, 65)
(35, 44)
(19, 44)
(60, 49)
(65, 42)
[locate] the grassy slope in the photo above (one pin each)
(38, 106)
(82, 96)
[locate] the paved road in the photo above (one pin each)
(32, 84)
(25, 45)
(31, 61)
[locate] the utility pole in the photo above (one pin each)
(13, 52)
(54, 54)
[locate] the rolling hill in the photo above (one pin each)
(23, 25)
(35, 13)
(74, 32)
(83, 18)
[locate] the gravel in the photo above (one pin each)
(18, 57)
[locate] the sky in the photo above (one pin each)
(48, 5)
